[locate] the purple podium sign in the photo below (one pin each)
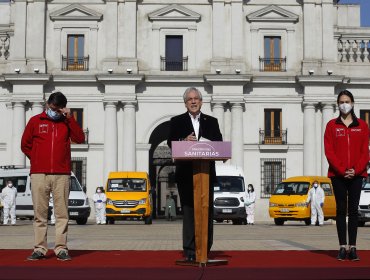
(212, 150)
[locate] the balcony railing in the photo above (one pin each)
(273, 137)
(171, 65)
(354, 50)
(272, 64)
(75, 63)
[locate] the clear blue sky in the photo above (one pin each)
(365, 10)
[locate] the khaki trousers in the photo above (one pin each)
(41, 187)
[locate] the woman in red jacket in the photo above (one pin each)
(346, 142)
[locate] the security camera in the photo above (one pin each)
(36, 70)
(110, 70)
(17, 70)
(218, 71)
(311, 72)
(237, 71)
(330, 72)
(129, 70)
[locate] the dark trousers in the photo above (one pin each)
(347, 192)
(188, 225)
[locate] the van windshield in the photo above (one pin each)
(74, 186)
(229, 184)
(366, 187)
(126, 185)
(19, 182)
(289, 188)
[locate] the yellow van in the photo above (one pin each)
(128, 197)
(288, 202)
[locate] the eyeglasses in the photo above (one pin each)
(193, 99)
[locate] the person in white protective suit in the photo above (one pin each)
(100, 200)
(249, 202)
(316, 197)
(8, 197)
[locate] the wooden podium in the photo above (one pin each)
(201, 153)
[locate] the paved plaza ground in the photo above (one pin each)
(166, 235)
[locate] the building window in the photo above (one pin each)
(78, 166)
(174, 59)
(273, 171)
(365, 115)
(272, 61)
(272, 133)
(78, 114)
(76, 59)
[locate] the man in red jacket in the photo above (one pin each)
(46, 142)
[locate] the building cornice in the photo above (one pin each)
(26, 78)
(272, 13)
(174, 12)
(173, 79)
(227, 79)
(132, 79)
(320, 80)
(69, 13)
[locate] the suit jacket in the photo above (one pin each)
(180, 127)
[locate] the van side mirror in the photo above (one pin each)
(84, 189)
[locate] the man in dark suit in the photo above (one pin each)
(193, 126)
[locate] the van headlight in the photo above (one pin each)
(87, 201)
(142, 201)
(109, 201)
(271, 204)
(242, 199)
(301, 204)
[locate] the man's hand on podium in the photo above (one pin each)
(191, 137)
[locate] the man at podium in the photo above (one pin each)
(193, 125)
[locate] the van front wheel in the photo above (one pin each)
(279, 222)
(148, 220)
(81, 221)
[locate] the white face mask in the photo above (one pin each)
(10, 185)
(315, 185)
(98, 191)
(345, 108)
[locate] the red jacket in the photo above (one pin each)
(347, 147)
(47, 143)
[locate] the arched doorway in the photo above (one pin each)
(161, 169)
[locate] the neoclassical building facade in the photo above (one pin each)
(269, 70)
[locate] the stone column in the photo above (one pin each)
(237, 147)
(93, 51)
(218, 113)
(237, 29)
(36, 30)
(57, 47)
(19, 123)
(110, 139)
(218, 27)
(327, 115)
(310, 31)
(37, 108)
(309, 139)
(329, 45)
(129, 137)
(156, 60)
(255, 51)
(192, 53)
(20, 22)
(110, 29)
(227, 124)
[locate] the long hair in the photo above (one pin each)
(350, 95)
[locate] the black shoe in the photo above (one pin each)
(63, 256)
(190, 258)
(36, 256)
(342, 254)
(352, 255)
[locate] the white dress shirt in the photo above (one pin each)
(196, 123)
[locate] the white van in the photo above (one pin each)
(229, 194)
(364, 205)
(78, 204)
